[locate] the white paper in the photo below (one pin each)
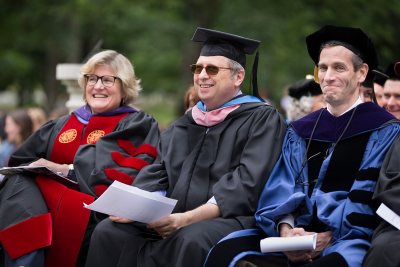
(278, 244)
(388, 215)
(133, 203)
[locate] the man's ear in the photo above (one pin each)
(363, 71)
(239, 76)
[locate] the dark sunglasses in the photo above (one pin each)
(210, 69)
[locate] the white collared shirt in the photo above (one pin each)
(358, 102)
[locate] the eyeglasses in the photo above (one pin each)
(210, 69)
(106, 80)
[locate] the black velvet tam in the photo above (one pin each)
(353, 39)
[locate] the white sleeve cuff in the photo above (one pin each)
(288, 218)
(160, 192)
(212, 201)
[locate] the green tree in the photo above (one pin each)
(155, 35)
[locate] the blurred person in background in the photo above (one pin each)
(58, 112)
(43, 222)
(191, 98)
(305, 97)
(391, 91)
(2, 123)
(367, 88)
(378, 82)
(38, 117)
(18, 127)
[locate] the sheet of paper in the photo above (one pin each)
(133, 203)
(388, 215)
(278, 244)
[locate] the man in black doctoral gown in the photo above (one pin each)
(386, 238)
(214, 160)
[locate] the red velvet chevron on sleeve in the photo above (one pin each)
(128, 147)
(116, 175)
(99, 189)
(129, 162)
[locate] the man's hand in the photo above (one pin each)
(298, 256)
(120, 219)
(164, 227)
(168, 225)
(324, 239)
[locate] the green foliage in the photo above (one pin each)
(155, 35)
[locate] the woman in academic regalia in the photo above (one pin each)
(43, 222)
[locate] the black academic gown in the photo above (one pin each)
(230, 161)
(386, 238)
(23, 209)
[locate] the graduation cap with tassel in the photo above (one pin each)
(235, 47)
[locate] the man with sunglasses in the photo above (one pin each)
(214, 160)
(322, 185)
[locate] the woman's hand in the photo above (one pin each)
(55, 167)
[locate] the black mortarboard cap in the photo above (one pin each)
(234, 47)
(380, 79)
(369, 80)
(353, 39)
(379, 76)
(217, 43)
(304, 87)
(397, 69)
(391, 71)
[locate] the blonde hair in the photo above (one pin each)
(38, 117)
(123, 69)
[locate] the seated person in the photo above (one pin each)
(324, 180)
(305, 97)
(391, 91)
(386, 237)
(209, 160)
(18, 127)
(378, 82)
(103, 141)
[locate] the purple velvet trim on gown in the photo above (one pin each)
(367, 117)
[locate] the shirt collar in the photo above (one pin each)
(237, 94)
(358, 102)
